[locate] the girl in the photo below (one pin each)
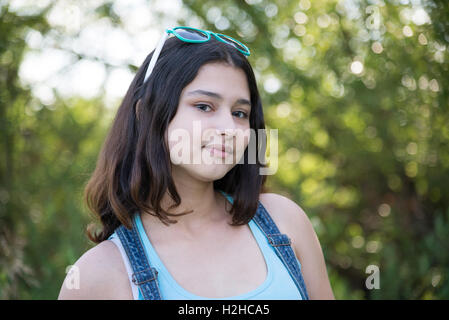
(230, 239)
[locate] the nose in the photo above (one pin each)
(224, 123)
(225, 134)
(221, 129)
(225, 128)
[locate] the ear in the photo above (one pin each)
(138, 109)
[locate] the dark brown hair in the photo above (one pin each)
(133, 170)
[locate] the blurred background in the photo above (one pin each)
(358, 90)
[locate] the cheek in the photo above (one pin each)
(184, 141)
(242, 140)
(178, 128)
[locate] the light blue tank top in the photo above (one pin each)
(277, 285)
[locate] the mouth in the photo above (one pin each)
(219, 150)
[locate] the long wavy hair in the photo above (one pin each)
(133, 169)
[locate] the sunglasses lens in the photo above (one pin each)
(191, 34)
(233, 42)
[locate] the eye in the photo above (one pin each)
(201, 106)
(244, 115)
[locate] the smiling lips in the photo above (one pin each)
(218, 149)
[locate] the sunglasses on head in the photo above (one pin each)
(193, 35)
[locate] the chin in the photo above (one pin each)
(208, 173)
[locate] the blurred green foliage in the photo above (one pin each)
(358, 91)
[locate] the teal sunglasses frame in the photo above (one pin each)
(218, 36)
(208, 33)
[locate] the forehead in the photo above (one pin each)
(221, 78)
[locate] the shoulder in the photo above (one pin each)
(286, 213)
(290, 219)
(293, 221)
(99, 273)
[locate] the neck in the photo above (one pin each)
(207, 204)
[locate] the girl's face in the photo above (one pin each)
(213, 113)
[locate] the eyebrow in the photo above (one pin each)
(216, 96)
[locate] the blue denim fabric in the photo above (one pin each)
(145, 276)
(282, 245)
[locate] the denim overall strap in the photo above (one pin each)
(144, 275)
(281, 244)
